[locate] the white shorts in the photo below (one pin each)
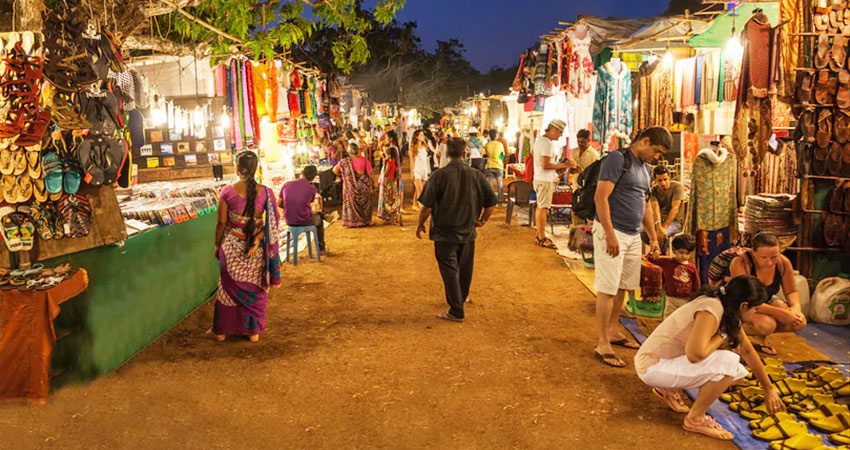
(422, 172)
(679, 373)
(617, 272)
(544, 191)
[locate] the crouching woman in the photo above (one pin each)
(684, 353)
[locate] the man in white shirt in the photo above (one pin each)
(546, 176)
(580, 158)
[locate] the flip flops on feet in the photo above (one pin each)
(673, 399)
(624, 342)
(609, 359)
(445, 315)
(545, 243)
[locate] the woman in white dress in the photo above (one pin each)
(420, 167)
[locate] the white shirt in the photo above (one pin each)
(544, 147)
(442, 152)
(583, 161)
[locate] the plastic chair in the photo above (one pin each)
(519, 194)
(292, 240)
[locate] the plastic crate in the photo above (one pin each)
(646, 309)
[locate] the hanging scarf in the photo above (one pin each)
(252, 103)
(271, 245)
(236, 109)
(246, 113)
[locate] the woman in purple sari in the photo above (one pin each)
(356, 174)
(246, 245)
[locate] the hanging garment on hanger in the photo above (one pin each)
(792, 14)
(698, 80)
(566, 58)
(259, 75)
(661, 98)
(581, 65)
(755, 64)
(235, 125)
(612, 113)
(540, 71)
(712, 204)
(678, 83)
(644, 85)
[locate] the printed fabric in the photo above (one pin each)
(713, 201)
(612, 113)
(581, 65)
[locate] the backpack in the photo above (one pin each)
(584, 205)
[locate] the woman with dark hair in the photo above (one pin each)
(390, 182)
(246, 245)
(684, 353)
(419, 165)
(764, 261)
(356, 174)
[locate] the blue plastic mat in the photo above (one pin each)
(831, 340)
(720, 411)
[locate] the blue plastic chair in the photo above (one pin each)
(292, 236)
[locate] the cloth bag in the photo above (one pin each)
(831, 302)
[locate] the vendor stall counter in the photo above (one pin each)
(139, 290)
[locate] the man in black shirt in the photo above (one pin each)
(458, 199)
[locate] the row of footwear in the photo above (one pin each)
(35, 278)
(70, 217)
(810, 395)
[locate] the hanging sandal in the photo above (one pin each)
(709, 427)
(27, 231)
(824, 130)
(781, 430)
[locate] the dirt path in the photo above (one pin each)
(355, 358)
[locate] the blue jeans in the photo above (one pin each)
(499, 175)
(674, 229)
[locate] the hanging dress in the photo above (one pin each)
(581, 65)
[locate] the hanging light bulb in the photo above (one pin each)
(667, 60)
(734, 48)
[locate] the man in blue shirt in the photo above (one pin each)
(621, 206)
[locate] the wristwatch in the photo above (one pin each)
(722, 334)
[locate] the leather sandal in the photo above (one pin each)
(832, 228)
(838, 53)
(804, 86)
(819, 161)
(824, 128)
(834, 159)
(707, 426)
(809, 124)
(842, 98)
(822, 87)
(836, 204)
(822, 55)
(821, 22)
(845, 165)
(804, 159)
(836, 21)
(842, 124)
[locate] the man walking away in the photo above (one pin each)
(296, 200)
(458, 199)
(546, 176)
(494, 151)
(666, 200)
(621, 207)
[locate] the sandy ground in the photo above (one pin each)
(354, 357)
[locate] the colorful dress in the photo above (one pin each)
(581, 65)
(356, 192)
(391, 187)
(612, 113)
(243, 289)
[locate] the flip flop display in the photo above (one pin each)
(36, 278)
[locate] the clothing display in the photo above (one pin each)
(581, 65)
(612, 113)
(655, 93)
(712, 204)
(753, 113)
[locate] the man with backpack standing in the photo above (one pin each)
(621, 206)
(546, 176)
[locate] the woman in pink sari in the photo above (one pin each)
(356, 174)
(246, 245)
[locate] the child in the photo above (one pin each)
(684, 353)
(680, 274)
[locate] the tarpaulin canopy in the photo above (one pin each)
(605, 31)
(721, 28)
(663, 32)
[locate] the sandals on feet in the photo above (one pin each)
(445, 315)
(545, 243)
(626, 343)
(609, 359)
(673, 399)
(707, 426)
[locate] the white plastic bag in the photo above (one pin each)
(831, 302)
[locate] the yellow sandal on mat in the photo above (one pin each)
(841, 438)
(782, 430)
(805, 441)
(832, 424)
(769, 421)
(824, 411)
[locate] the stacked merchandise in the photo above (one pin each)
(813, 393)
(167, 203)
(35, 278)
(55, 85)
(771, 212)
